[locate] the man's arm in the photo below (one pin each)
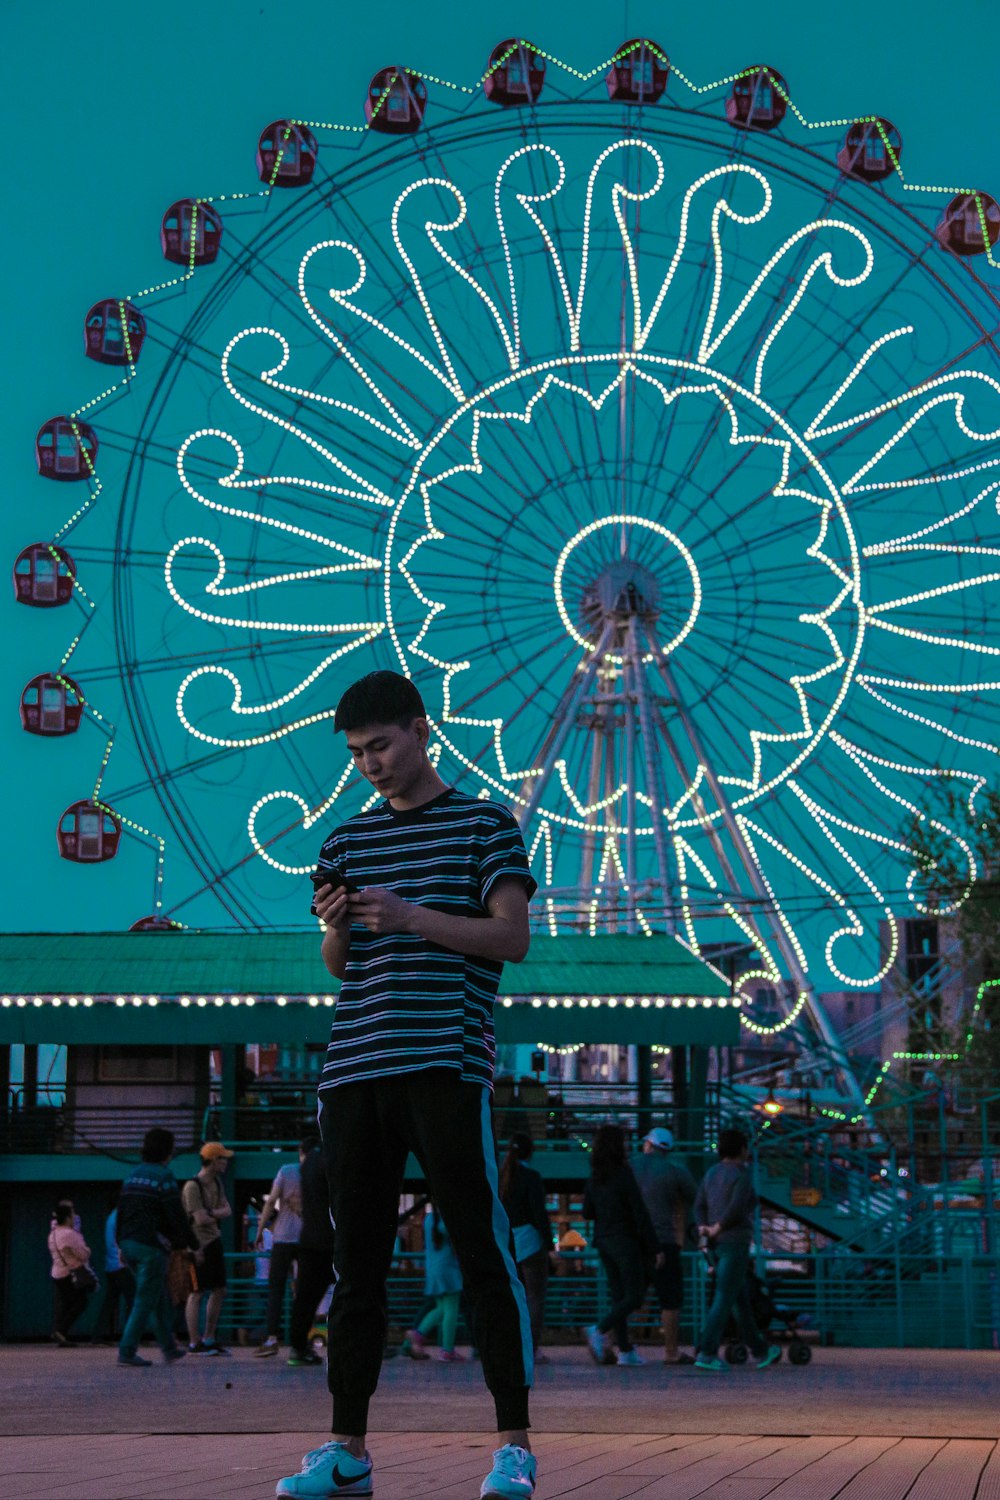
(268, 1207)
(503, 935)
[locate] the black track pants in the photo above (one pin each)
(368, 1129)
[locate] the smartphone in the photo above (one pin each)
(335, 878)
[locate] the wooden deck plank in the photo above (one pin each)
(894, 1473)
(989, 1482)
(795, 1456)
(618, 1458)
(953, 1473)
(825, 1478)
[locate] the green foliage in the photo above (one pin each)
(943, 885)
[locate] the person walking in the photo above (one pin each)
(625, 1241)
(423, 896)
(69, 1251)
(522, 1193)
(724, 1208)
(668, 1191)
(443, 1284)
(151, 1222)
(283, 1204)
(119, 1284)
(206, 1206)
(315, 1269)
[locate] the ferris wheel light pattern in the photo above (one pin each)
(451, 414)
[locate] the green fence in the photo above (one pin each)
(896, 1301)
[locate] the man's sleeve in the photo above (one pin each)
(701, 1203)
(503, 856)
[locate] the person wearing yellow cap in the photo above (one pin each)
(206, 1204)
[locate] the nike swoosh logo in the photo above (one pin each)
(341, 1479)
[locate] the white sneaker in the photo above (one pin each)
(268, 1347)
(329, 1470)
(597, 1343)
(630, 1357)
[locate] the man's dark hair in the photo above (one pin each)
(157, 1144)
(63, 1211)
(379, 698)
(608, 1154)
(308, 1143)
(731, 1142)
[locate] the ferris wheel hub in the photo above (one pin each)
(621, 592)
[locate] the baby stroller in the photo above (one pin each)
(770, 1318)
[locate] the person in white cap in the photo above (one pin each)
(668, 1191)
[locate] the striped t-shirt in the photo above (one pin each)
(407, 1004)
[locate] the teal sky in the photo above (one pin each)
(114, 112)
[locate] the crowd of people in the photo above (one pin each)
(163, 1253)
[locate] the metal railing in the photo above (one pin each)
(900, 1301)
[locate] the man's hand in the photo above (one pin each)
(381, 910)
(660, 1260)
(331, 907)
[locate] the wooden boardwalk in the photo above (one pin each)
(678, 1466)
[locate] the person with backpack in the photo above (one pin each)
(206, 1205)
(625, 1241)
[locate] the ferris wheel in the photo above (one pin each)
(651, 430)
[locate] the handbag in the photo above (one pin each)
(180, 1276)
(81, 1278)
(84, 1279)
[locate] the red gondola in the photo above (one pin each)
(970, 225)
(865, 154)
(396, 101)
(156, 924)
(191, 233)
(515, 73)
(43, 576)
(66, 449)
(88, 834)
(639, 73)
(51, 704)
(758, 99)
(286, 154)
(113, 332)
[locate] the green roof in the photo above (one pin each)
(267, 964)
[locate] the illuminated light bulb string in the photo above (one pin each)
(366, 630)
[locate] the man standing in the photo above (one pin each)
(315, 1254)
(151, 1222)
(668, 1191)
(206, 1204)
(724, 1209)
(284, 1204)
(426, 897)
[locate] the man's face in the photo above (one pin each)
(390, 756)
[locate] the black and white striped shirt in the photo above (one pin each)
(407, 1004)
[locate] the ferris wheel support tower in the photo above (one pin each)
(612, 697)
